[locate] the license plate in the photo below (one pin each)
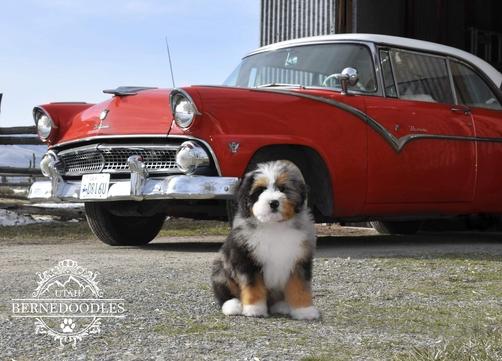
(94, 186)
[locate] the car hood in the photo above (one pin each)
(144, 113)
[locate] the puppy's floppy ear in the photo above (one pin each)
(243, 196)
(302, 193)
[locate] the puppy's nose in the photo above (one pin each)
(274, 204)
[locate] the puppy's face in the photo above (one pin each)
(274, 192)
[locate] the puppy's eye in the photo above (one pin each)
(257, 191)
(281, 188)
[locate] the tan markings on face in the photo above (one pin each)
(233, 287)
(297, 292)
(252, 294)
(281, 179)
(259, 182)
(288, 209)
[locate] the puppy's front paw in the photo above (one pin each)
(280, 308)
(232, 307)
(256, 310)
(305, 313)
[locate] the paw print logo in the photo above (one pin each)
(67, 325)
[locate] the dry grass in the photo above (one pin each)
(76, 231)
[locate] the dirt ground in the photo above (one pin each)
(381, 298)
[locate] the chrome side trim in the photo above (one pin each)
(396, 143)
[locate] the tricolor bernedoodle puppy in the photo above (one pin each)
(265, 264)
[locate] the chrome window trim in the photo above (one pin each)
(452, 83)
(471, 65)
(387, 50)
(417, 52)
(151, 136)
(496, 91)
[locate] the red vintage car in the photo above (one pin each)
(384, 129)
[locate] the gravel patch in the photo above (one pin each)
(380, 298)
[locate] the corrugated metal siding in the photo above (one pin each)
(290, 19)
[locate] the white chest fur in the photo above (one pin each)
(277, 247)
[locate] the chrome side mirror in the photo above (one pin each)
(348, 77)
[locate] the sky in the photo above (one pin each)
(70, 50)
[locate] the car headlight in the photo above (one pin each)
(183, 108)
(45, 125)
(190, 156)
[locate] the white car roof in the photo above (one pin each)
(396, 41)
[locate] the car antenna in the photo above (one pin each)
(170, 63)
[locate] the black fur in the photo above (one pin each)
(220, 287)
(305, 269)
(243, 195)
(235, 263)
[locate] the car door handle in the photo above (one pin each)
(461, 109)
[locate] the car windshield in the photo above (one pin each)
(307, 66)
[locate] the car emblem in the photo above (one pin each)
(102, 117)
(103, 114)
(234, 147)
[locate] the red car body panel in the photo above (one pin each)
(368, 175)
(400, 176)
(489, 156)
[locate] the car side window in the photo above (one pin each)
(471, 89)
(388, 77)
(421, 77)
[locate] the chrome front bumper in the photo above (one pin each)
(170, 187)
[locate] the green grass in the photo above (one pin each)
(65, 231)
(58, 231)
(452, 313)
(188, 228)
(481, 348)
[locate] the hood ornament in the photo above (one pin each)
(102, 117)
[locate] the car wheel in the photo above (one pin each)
(396, 227)
(122, 230)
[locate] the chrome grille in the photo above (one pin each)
(82, 163)
(113, 159)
